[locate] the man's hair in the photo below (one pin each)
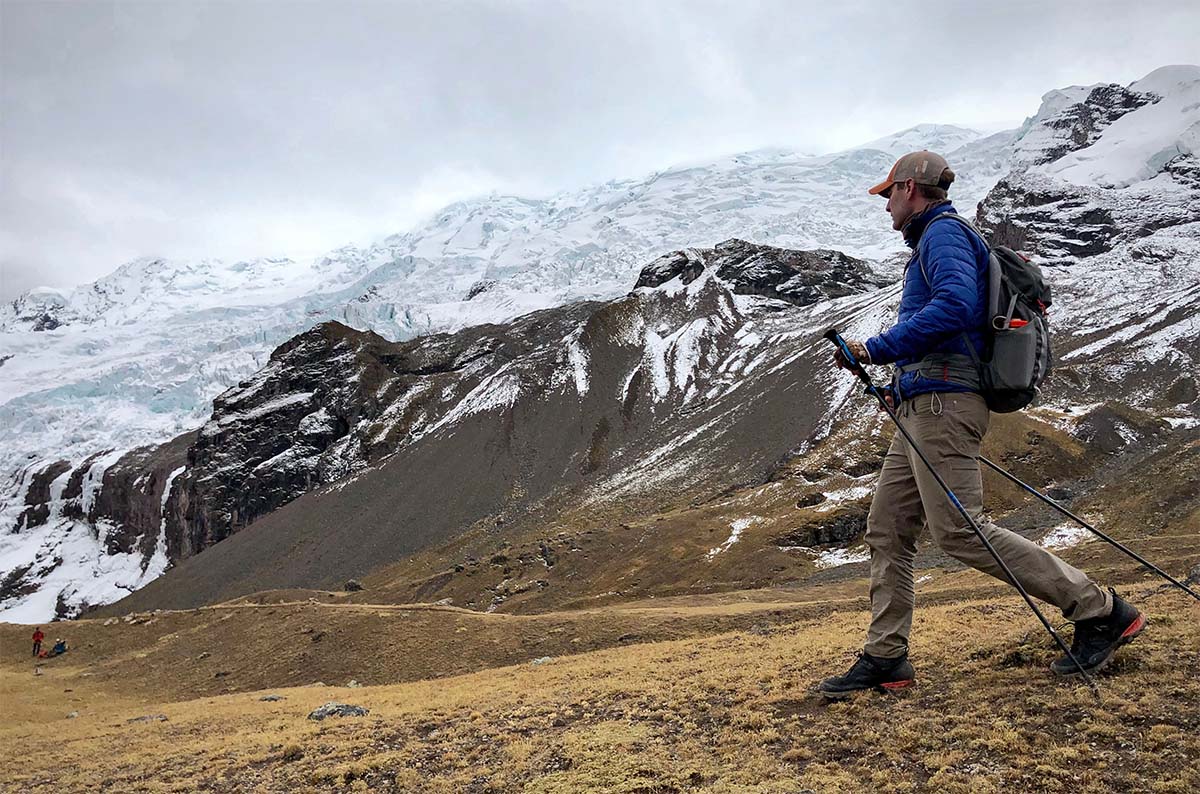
(937, 192)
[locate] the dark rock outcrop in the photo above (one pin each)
(480, 287)
(847, 525)
(37, 497)
(73, 493)
(131, 496)
(1051, 220)
(17, 583)
(687, 264)
(45, 322)
(1079, 125)
(35, 311)
(267, 440)
(801, 278)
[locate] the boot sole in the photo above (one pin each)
(890, 688)
(1129, 635)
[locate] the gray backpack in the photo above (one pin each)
(1016, 356)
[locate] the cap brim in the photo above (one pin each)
(882, 186)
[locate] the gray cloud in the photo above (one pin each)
(237, 129)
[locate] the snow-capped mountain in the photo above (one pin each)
(1113, 181)
(667, 387)
(137, 358)
(934, 137)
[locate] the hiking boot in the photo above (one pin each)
(1097, 639)
(869, 672)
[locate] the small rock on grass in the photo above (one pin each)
(272, 698)
(149, 718)
(334, 709)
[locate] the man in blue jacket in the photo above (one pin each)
(936, 395)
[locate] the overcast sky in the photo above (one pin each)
(242, 129)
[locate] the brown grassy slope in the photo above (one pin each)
(606, 552)
(294, 638)
(724, 713)
(658, 686)
(246, 647)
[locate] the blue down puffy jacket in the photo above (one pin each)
(933, 316)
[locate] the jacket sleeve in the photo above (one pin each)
(953, 270)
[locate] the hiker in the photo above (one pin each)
(935, 392)
(38, 636)
(60, 647)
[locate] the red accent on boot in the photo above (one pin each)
(1137, 625)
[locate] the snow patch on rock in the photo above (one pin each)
(737, 527)
(1065, 536)
(837, 557)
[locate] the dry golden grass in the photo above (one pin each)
(723, 713)
(691, 676)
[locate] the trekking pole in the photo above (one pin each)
(1149, 565)
(857, 368)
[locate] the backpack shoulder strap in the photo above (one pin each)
(963, 221)
(934, 220)
(995, 270)
(993, 277)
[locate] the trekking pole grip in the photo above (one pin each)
(855, 365)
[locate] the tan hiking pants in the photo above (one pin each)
(949, 428)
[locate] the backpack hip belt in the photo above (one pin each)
(945, 367)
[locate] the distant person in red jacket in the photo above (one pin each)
(38, 636)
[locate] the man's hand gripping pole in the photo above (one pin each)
(852, 362)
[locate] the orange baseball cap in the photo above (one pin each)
(923, 167)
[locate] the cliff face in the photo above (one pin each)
(279, 434)
(132, 494)
(1083, 183)
(334, 401)
(1073, 120)
(673, 388)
